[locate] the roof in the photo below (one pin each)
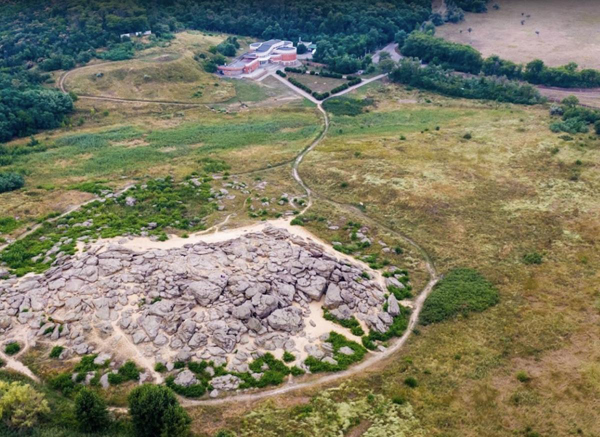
(266, 46)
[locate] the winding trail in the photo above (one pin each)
(360, 368)
(373, 357)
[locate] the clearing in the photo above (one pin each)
(568, 31)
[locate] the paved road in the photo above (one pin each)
(391, 49)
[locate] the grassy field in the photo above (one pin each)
(167, 73)
(117, 149)
(568, 31)
(488, 200)
(511, 189)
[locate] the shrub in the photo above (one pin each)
(343, 361)
(56, 351)
(281, 73)
(299, 85)
(411, 382)
(127, 372)
(155, 411)
(62, 382)
(352, 324)
(10, 182)
(533, 258)
(90, 411)
(346, 105)
(523, 376)
(193, 391)
(20, 405)
(288, 357)
(12, 348)
(160, 367)
(460, 292)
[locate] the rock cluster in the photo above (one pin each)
(227, 302)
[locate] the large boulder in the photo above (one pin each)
(186, 378)
(286, 319)
(313, 287)
(205, 292)
(393, 308)
(333, 297)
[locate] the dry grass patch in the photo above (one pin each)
(568, 31)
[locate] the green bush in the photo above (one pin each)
(64, 383)
(352, 324)
(10, 182)
(533, 258)
(343, 361)
(56, 351)
(193, 391)
(127, 372)
(523, 376)
(347, 105)
(411, 382)
(160, 367)
(12, 348)
(288, 357)
(90, 411)
(461, 291)
(155, 411)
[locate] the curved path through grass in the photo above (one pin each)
(373, 357)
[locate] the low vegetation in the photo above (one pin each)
(153, 207)
(460, 292)
(342, 361)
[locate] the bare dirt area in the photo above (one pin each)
(568, 31)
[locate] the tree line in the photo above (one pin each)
(464, 58)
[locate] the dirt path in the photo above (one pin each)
(218, 235)
(66, 74)
(373, 357)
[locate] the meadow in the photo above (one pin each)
(481, 186)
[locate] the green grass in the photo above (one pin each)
(395, 122)
(169, 204)
(338, 341)
(235, 134)
(247, 91)
(461, 291)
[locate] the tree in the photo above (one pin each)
(570, 102)
(301, 49)
(10, 182)
(387, 65)
(155, 412)
(90, 411)
(20, 405)
(597, 127)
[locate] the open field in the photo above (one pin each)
(568, 31)
(116, 149)
(484, 202)
(166, 73)
(511, 189)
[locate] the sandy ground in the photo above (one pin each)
(568, 29)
